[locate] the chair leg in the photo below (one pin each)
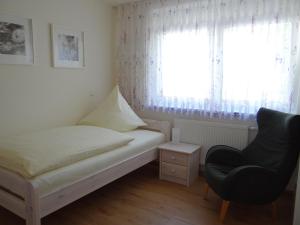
(206, 190)
(224, 208)
(274, 211)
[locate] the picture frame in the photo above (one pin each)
(67, 47)
(16, 40)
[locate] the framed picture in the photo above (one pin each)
(68, 47)
(16, 40)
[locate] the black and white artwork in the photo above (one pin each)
(67, 48)
(12, 39)
(16, 44)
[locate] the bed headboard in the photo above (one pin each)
(159, 125)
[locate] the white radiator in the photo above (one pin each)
(208, 134)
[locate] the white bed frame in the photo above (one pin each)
(21, 196)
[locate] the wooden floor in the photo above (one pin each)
(140, 198)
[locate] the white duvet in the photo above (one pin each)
(36, 153)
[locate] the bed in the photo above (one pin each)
(35, 198)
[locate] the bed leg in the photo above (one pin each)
(32, 206)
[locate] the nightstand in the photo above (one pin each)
(179, 162)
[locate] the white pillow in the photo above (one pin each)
(113, 113)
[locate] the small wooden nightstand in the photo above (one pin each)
(179, 162)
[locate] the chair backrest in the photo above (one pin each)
(277, 143)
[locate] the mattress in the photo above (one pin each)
(56, 179)
(35, 153)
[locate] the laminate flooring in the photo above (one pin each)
(140, 198)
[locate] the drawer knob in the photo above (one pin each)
(173, 170)
(173, 157)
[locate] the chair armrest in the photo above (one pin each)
(224, 154)
(252, 171)
(251, 183)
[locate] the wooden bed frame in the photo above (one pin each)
(21, 196)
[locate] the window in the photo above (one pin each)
(209, 58)
(243, 66)
(257, 66)
(185, 65)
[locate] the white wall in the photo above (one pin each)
(40, 96)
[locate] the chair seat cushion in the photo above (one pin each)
(215, 175)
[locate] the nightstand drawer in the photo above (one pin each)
(174, 170)
(174, 157)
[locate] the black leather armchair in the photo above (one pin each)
(259, 173)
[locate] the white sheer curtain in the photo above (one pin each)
(211, 58)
